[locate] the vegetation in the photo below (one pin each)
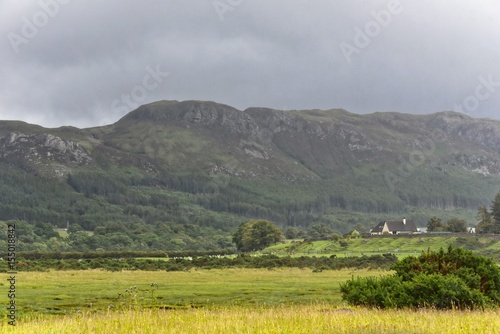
(154, 181)
(137, 238)
(489, 222)
(401, 246)
(297, 319)
(123, 209)
(443, 280)
(67, 291)
(454, 224)
(217, 301)
(204, 262)
(256, 235)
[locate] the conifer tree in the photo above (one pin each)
(495, 212)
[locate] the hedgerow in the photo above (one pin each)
(204, 262)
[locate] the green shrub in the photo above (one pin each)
(444, 292)
(384, 292)
(443, 280)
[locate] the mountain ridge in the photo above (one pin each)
(322, 142)
(296, 167)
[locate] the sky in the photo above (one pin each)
(87, 62)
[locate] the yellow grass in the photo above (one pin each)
(286, 319)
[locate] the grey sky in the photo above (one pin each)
(88, 62)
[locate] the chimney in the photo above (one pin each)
(404, 220)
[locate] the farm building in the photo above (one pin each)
(405, 226)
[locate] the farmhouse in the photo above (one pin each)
(405, 226)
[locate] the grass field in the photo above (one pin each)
(66, 292)
(214, 301)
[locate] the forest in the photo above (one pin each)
(124, 209)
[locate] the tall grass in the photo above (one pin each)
(319, 318)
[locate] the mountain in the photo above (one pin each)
(192, 171)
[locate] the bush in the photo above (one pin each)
(455, 279)
(444, 292)
(384, 292)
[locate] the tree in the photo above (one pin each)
(319, 232)
(489, 222)
(256, 235)
(456, 225)
(78, 240)
(495, 213)
(291, 233)
(45, 230)
(485, 220)
(352, 235)
(73, 228)
(435, 225)
(360, 228)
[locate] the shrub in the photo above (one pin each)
(443, 280)
(383, 292)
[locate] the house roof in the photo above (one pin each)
(396, 225)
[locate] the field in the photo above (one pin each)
(400, 246)
(65, 292)
(214, 301)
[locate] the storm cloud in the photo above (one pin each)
(87, 63)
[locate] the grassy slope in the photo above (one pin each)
(400, 246)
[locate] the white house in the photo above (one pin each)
(405, 226)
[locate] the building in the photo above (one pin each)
(405, 226)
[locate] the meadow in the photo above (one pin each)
(399, 246)
(288, 300)
(66, 292)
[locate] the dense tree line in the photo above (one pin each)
(454, 225)
(117, 236)
(489, 222)
(117, 208)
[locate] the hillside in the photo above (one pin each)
(184, 175)
(400, 246)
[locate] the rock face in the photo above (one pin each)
(208, 115)
(43, 153)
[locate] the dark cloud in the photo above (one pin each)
(84, 58)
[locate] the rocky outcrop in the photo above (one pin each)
(195, 114)
(485, 133)
(44, 152)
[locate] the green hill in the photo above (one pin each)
(401, 246)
